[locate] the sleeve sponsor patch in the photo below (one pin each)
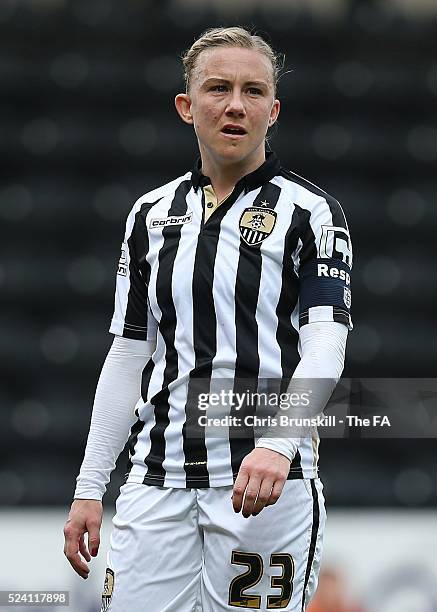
(335, 243)
(122, 262)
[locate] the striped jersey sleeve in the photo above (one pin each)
(132, 315)
(325, 262)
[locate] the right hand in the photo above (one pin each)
(85, 516)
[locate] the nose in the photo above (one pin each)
(236, 106)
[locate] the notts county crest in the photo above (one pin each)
(107, 589)
(256, 224)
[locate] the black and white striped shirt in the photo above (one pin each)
(224, 299)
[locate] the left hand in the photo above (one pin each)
(260, 481)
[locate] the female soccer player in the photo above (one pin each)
(236, 271)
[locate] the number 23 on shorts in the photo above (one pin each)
(253, 575)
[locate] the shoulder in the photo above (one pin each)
(149, 199)
(308, 196)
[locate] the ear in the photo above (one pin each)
(274, 112)
(183, 106)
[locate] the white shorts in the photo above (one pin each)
(186, 550)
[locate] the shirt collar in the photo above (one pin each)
(258, 177)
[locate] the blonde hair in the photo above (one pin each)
(228, 37)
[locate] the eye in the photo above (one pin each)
(219, 88)
(254, 91)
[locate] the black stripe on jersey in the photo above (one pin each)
(309, 247)
(167, 327)
(204, 344)
(338, 217)
(286, 336)
(295, 467)
(138, 426)
(314, 532)
(135, 431)
(141, 237)
(241, 439)
(135, 326)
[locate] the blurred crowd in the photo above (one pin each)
(333, 594)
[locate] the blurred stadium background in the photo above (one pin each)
(87, 125)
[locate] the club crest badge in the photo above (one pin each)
(256, 224)
(108, 589)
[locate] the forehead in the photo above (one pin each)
(233, 63)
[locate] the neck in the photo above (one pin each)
(224, 177)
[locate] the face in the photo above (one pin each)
(231, 105)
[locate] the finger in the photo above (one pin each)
(93, 537)
(239, 489)
(71, 545)
(250, 496)
(83, 549)
(79, 566)
(276, 492)
(263, 496)
(71, 551)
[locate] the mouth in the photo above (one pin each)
(233, 131)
